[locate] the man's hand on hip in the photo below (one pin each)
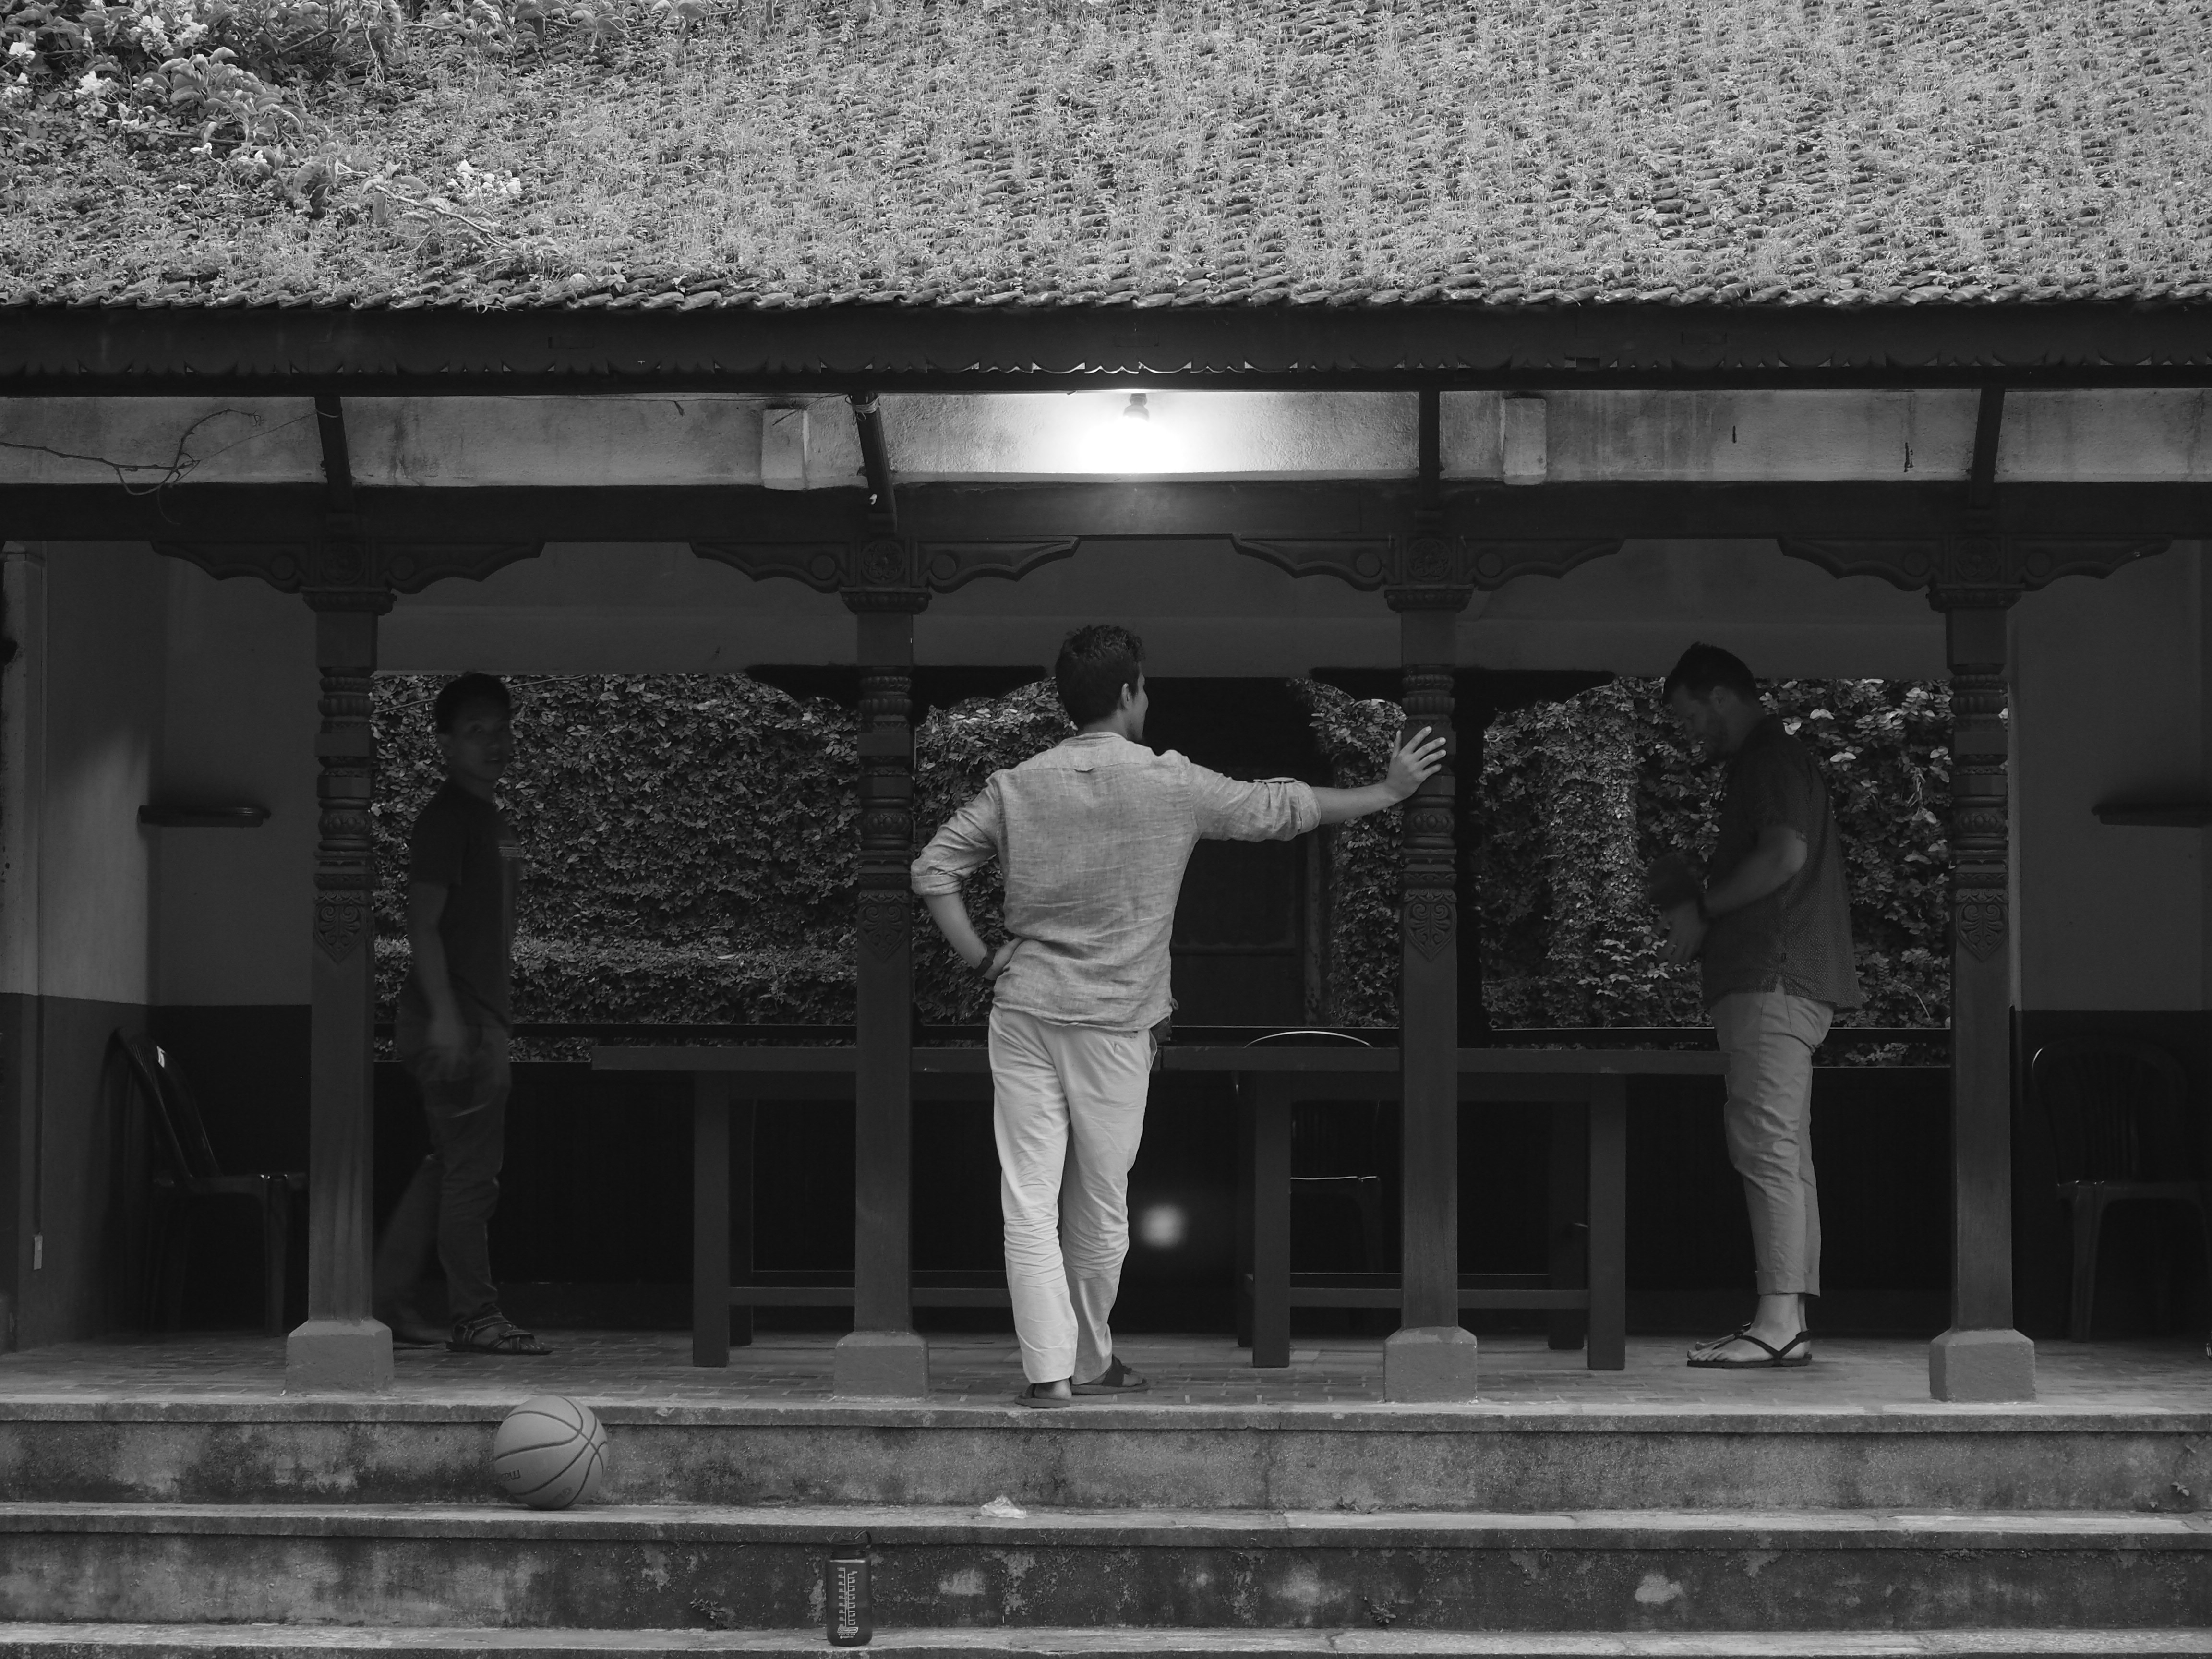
(1686, 934)
(447, 1046)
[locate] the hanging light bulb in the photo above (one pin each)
(1131, 440)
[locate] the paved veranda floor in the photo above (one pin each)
(1518, 1373)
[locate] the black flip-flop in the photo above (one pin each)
(1116, 1378)
(1777, 1359)
(494, 1333)
(1035, 1400)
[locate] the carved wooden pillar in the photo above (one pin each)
(342, 1346)
(1981, 1357)
(1430, 1356)
(884, 1356)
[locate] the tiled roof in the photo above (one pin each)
(1140, 152)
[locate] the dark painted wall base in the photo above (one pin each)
(594, 1219)
(72, 1167)
(2150, 1267)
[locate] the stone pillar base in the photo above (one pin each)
(1433, 1363)
(338, 1356)
(1981, 1365)
(881, 1365)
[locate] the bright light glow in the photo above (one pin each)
(1163, 1226)
(1131, 440)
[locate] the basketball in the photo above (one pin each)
(550, 1452)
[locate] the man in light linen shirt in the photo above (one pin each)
(1093, 835)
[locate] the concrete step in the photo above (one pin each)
(640, 1567)
(294, 1641)
(1122, 1453)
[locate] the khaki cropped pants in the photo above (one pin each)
(1068, 1112)
(1768, 1037)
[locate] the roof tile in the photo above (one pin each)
(1188, 152)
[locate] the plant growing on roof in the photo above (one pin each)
(208, 74)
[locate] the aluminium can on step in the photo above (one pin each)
(845, 1581)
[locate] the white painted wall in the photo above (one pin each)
(147, 441)
(238, 729)
(1733, 435)
(729, 439)
(714, 439)
(2109, 703)
(79, 905)
(1182, 435)
(2106, 437)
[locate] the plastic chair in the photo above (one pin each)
(1363, 1192)
(2116, 1108)
(193, 1175)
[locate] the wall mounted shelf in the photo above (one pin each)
(2156, 815)
(177, 815)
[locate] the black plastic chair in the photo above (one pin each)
(1363, 1192)
(188, 1175)
(2116, 1112)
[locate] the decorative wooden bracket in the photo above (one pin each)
(887, 561)
(1974, 561)
(1988, 568)
(346, 557)
(1426, 561)
(334, 562)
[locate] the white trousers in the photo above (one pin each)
(1068, 1112)
(1769, 1037)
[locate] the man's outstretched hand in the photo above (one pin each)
(1412, 764)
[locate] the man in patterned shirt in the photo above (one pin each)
(1772, 929)
(1092, 835)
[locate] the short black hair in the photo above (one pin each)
(1095, 663)
(1705, 668)
(458, 693)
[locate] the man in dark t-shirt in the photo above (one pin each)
(465, 867)
(1771, 927)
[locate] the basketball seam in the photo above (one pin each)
(563, 1470)
(538, 1411)
(499, 1452)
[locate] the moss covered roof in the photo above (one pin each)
(1218, 152)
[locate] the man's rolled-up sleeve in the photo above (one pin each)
(1272, 809)
(969, 840)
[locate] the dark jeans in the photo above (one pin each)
(453, 1192)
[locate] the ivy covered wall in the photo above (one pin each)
(1578, 796)
(691, 846)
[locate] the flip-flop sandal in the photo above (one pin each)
(1116, 1378)
(1779, 1359)
(494, 1333)
(1711, 1343)
(1036, 1399)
